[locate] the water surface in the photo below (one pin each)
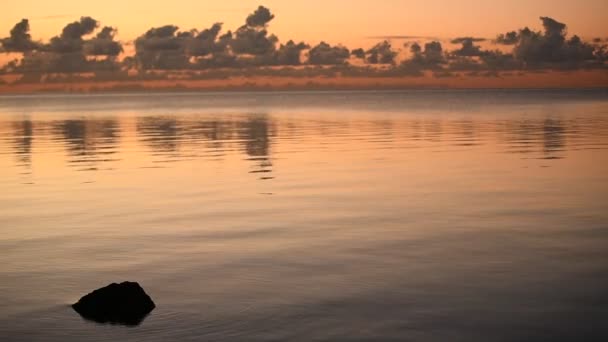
(411, 216)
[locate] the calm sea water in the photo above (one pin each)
(410, 216)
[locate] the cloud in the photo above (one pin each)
(252, 45)
(260, 18)
(77, 29)
(462, 40)
(551, 46)
(509, 38)
(252, 38)
(162, 48)
(205, 42)
(554, 29)
(289, 54)
(431, 58)
(358, 53)
(71, 38)
(103, 44)
(218, 60)
(20, 39)
(325, 54)
(498, 60)
(159, 38)
(468, 48)
(253, 41)
(66, 52)
(464, 64)
(69, 63)
(381, 53)
(433, 52)
(487, 60)
(106, 33)
(415, 48)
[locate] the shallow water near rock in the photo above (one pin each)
(412, 215)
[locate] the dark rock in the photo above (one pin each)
(126, 304)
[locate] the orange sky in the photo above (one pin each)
(335, 21)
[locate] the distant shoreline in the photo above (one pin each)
(592, 79)
(193, 91)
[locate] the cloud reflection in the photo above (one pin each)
(99, 143)
(88, 141)
(23, 132)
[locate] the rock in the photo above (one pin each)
(126, 303)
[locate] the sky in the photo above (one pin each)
(351, 22)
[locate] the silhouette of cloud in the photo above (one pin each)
(260, 18)
(252, 45)
(253, 41)
(252, 38)
(381, 53)
(325, 54)
(462, 40)
(205, 42)
(66, 52)
(289, 54)
(531, 49)
(433, 53)
(415, 48)
(509, 38)
(103, 44)
(77, 29)
(20, 39)
(458, 63)
(71, 38)
(358, 53)
(551, 46)
(498, 60)
(468, 48)
(162, 48)
(431, 58)
(160, 38)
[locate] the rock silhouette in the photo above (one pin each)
(126, 304)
